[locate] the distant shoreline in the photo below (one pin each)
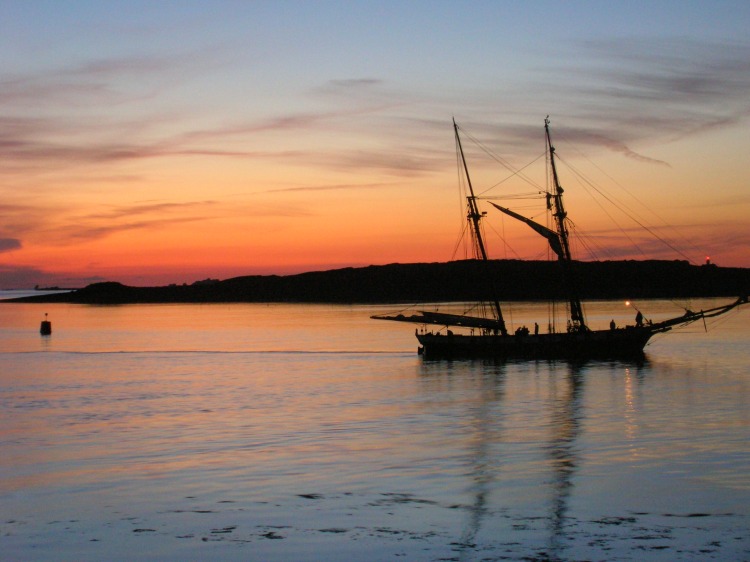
(10, 294)
(466, 280)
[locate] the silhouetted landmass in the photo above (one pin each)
(467, 280)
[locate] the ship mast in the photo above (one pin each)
(576, 310)
(475, 217)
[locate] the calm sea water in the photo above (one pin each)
(288, 432)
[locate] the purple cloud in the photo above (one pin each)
(9, 244)
(665, 88)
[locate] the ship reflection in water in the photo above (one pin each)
(542, 477)
(488, 461)
(566, 424)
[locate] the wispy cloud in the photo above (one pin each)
(63, 118)
(35, 144)
(398, 162)
(61, 225)
(58, 117)
(333, 187)
(582, 137)
(352, 83)
(639, 89)
(9, 244)
(78, 233)
(18, 220)
(110, 80)
(621, 94)
(159, 208)
(125, 218)
(358, 87)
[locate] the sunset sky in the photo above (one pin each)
(166, 142)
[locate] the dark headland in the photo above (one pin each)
(466, 280)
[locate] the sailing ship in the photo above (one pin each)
(488, 336)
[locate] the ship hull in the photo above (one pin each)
(603, 344)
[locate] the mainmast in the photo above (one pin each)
(565, 257)
(475, 217)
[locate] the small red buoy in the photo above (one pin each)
(46, 327)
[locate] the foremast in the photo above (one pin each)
(474, 217)
(555, 204)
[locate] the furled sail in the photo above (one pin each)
(552, 237)
(444, 319)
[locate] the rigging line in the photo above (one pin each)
(473, 308)
(686, 306)
(719, 320)
(578, 172)
(487, 151)
(460, 242)
(506, 246)
(678, 234)
(592, 248)
(526, 195)
(409, 307)
(584, 179)
(504, 238)
(663, 222)
(583, 183)
(462, 195)
(553, 305)
(625, 210)
(530, 208)
(516, 173)
(631, 214)
(503, 162)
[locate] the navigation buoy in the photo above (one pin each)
(46, 327)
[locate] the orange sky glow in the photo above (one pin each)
(211, 147)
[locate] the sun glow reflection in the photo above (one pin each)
(630, 413)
